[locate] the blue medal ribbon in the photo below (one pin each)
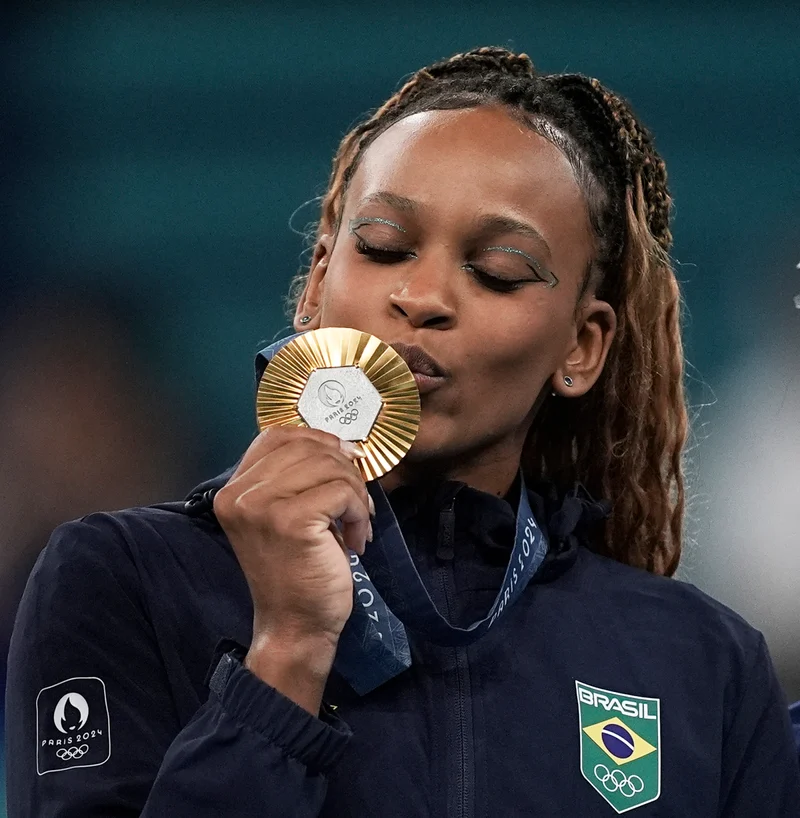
(373, 647)
(402, 589)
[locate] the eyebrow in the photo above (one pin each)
(357, 222)
(488, 225)
(401, 203)
(493, 225)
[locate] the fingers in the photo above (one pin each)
(296, 469)
(291, 474)
(320, 469)
(276, 437)
(298, 474)
(276, 451)
(332, 500)
(300, 463)
(275, 465)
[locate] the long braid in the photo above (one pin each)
(652, 312)
(641, 391)
(622, 440)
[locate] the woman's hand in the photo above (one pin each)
(279, 511)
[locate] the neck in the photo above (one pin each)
(494, 476)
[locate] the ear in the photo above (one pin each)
(595, 326)
(310, 301)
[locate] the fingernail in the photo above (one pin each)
(369, 533)
(360, 450)
(348, 448)
(371, 505)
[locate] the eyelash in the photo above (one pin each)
(382, 256)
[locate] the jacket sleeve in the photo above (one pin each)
(794, 715)
(92, 729)
(760, 773)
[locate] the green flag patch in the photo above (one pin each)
(620, 752)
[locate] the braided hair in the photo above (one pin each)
(622, 440)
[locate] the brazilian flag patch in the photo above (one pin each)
(620, 753)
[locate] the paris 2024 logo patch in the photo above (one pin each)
(72, 725)
(620, 745)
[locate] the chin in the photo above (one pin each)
(429, 449)
(430, 443)
(444, 443)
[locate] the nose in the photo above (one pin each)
(424, 296)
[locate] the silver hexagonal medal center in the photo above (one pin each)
(340, 400)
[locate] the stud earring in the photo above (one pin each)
(305, 319)
(568, 381)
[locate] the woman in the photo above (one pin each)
(508, 233)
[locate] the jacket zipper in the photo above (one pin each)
(464, 754)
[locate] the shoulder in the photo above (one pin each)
(120, 544)
(673, 608)
(124, 575)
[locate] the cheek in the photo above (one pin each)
(527, 336)
(334, 291)
(508, 382)
(339, 299)
(514, 357)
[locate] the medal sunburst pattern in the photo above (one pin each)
(288, 372)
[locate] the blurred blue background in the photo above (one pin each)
(154, 153)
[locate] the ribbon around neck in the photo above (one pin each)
(392, 597)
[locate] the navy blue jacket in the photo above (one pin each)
(794, 714)
(123, 621)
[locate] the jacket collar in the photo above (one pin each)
(570, 519)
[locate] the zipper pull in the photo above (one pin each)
(447, 529)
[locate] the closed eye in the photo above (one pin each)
(539, 272)
(496, 283)
(381, 255)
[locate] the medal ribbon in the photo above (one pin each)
(390, 596)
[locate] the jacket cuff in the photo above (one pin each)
(315, 742)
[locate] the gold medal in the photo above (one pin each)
(348, 383)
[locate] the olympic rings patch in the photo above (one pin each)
(73, 728)
(348, 417)
(68, 753)
(616, 780)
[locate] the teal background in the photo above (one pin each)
(155, 153)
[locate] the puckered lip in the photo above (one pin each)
(419, 361)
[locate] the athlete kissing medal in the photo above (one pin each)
(348, 383)
(358, 388)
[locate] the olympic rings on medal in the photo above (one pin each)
(616, 780)
(70, 753)
(348, 417)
